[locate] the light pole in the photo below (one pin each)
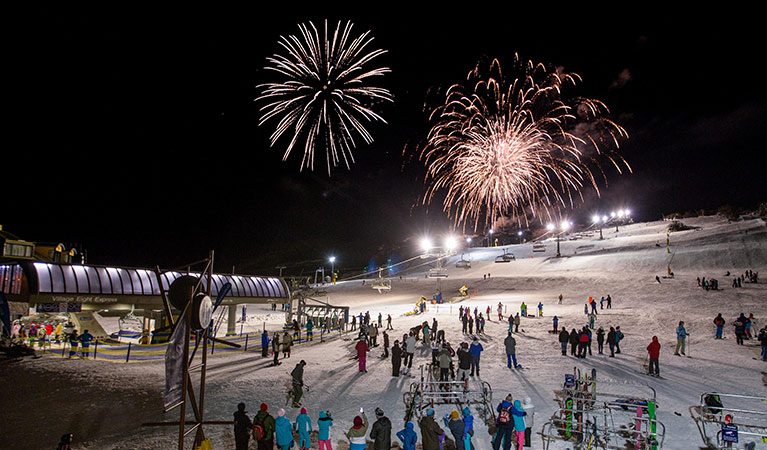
(490, 238)
(333, 268)
(564, 226)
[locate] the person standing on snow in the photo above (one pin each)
(517, 321)
(396, 359)
(283, 431)
(265, 344)
(763, 341)
(276, 348)
(527, 406)
(408, 436)
(540, 309)
(519, 423)
(242, 427)
(264, 420)
(611, 336)
(618, 339)
(600, 339)
(740, 328)
(681, 336)
(380, 432)
(602, 302)
(464, 323)
(287, 342)
(654, 351)
(409, 350)
(362, 354)
(511, 350)
(564, 339)
(357, 432)
(304, 426)
(555, 322)
(309, 330)
(464, 361)
(456, 426)
(575, 338)
(85, 339)
(504, 425)
(609, 302)
(430, 432)
(476, 351)
(444, 359)
(323, 434)
(468, 428)
(500, 311)
(388, 322)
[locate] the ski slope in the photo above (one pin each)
(104, 404)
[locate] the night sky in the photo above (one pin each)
(134, 133)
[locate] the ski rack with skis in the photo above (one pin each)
(430, 392)
(593, 418)
(750, 417)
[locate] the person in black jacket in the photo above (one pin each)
(611, 335)
(564, 339)
(464, 361)
(380, 432)
(242, 427)
(574, 341)
(600, 339)
(396, 359)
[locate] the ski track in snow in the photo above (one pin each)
(104, 404)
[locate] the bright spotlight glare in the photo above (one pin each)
(450, 243)
(595, 218)
(612, 214)
(550, 226)
(627, 213)
(565, 225)
(519, 233)
(604, 218)
(332, 259)
(426, 244)
(468, 239)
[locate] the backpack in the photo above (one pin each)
(504, 416)
(258, 431)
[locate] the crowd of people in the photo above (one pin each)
(52, 331)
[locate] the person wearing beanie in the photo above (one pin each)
(357, 432)
(519, 423)
(464, 361)
(504, 424)
(681, 336)
(323, 435)
(304, 426)
(456, 426)
(430, 431)
(396, 359)
(264, 424)
(242, 427)
(527, 406)
(654, 353)
(408, 436)
(380, 432)
(283, 430)
(468, 428)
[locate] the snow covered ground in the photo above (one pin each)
(104, 404)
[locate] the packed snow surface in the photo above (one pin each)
(104, 404)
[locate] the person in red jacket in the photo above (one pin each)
(362, 353)
(654, 350)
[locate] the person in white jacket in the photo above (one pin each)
(527, 406)
(409, 350)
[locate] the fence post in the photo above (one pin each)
(127, 356)
(246, 342)
(212, 347)
(95, 348)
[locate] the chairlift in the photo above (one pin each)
(382, 285)
(539, 247)
(463, 264)
(505, 257)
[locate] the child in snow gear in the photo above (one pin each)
(304, 426)
(357, 432)
(408, 436)
(242, 427)
(654, 352)
(283, 431)
(519, 423)
(380, 432)
(456, 426)
(468, 429)
(323, 436)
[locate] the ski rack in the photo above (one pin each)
(751, 422)
(430, 392)
(600, 419)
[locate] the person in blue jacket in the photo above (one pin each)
(265, 344)
(408, 437)
(504, 424)
(283, 430)
(323, 435)
(468, 430)
(681, 337)
(519, 423)
(476, 349)
(85, 340)
(304, 427)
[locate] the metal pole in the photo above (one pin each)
(95, 348)
(246, 342)
(127, 355)
(185, 382)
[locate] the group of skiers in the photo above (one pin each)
(469, 324)
(580, 340)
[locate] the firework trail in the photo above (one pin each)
(516, 148)
(324, 97)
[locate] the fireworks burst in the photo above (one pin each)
(517, 148)
(324, 97)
